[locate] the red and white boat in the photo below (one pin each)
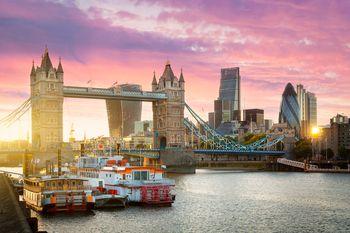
(141, 184)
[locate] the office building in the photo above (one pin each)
(289, 109)
(228, 105)
(308, 110)
(254, 116)
(143, 126)
(211, 119)
(122, 114)
(338, 136)
(268, 124)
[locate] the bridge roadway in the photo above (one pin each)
(154, 153)
(111, 93)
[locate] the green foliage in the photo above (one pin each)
(302, 149)
(251, 138)
(248, 136)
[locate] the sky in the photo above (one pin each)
(273, 43)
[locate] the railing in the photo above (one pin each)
(297, 164)
(164, 181)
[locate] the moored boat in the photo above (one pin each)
(57, 193)
(145, 185)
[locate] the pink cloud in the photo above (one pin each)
(272, 42)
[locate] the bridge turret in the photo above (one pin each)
(47, 105)
(168, 115)
(59, 72)
(182, 80)
(154, 82)
(32, 73)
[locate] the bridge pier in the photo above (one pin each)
(178, 160)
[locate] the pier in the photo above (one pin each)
(12, 216)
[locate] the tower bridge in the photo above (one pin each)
(168, 104)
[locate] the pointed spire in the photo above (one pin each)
(59, 68)
(168, 73)
(154, 82)
(46, 64)
(181, 77)
(32, 73)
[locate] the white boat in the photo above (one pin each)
(141, 184)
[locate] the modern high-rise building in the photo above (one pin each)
(211, 119)
(228, 106)
(289, 110)
(123, 114)
(308, 110)
(338, 136)
(254, 115)
(143, 126)
(268, 124)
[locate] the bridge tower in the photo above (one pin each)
(46, 84)
(168, 115)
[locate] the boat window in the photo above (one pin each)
(140, 175)
(136, 175)
(53, 184)
(59, 183)
(47, 184)
(73, 183)
(144, 175)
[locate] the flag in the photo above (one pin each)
(89, 81)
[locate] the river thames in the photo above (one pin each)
(230, 201)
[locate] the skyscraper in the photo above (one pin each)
(289, 110)
(254, 115)
(211, 119)
(228, 106)
(122, 114)
(308, 110)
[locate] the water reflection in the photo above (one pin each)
(230, 201)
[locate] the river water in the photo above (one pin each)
(230, 201)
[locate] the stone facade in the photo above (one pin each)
(168, 115)
(46, 84)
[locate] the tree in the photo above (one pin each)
(302, 149)
(251, 138)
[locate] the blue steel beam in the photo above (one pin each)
(236, 152)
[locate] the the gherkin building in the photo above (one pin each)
(290, 111)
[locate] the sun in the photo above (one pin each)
(315, 131)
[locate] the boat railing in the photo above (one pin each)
(165, 181)
(67, 188)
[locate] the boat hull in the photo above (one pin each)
(110, 201)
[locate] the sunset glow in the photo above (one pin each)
(273, 43)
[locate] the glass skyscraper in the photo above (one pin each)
(228, 106)
(290, 111)
(308, 110)
(122, 113)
